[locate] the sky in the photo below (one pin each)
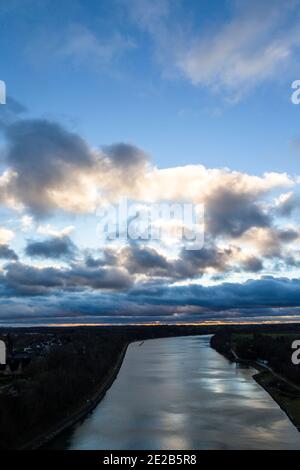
(185, 102)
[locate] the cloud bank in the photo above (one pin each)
(50, 174)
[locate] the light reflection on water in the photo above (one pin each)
(178, 393)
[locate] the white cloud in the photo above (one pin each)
(250, 46)
(51, 231)
(245, 51)
(107, 184)
(81, 45)
(196, 183)
(26, 223)
(7, 196)
(5, 235)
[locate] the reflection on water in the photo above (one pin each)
(178, 393)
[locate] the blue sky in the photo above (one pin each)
(173, 83)
(128, 94)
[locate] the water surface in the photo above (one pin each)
(178, 393)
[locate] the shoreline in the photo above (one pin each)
(82, 411)
(97, 397)
(259, 378)
(262, 379)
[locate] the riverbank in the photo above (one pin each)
(282, 390)
(177, 394)
(80, 412)
(97, 355)
(67, 375)
(288, 400)
(69, 372)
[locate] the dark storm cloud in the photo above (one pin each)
(197, 261)
(99, 278)
(287, 235)
(252, 264)
(7, 253)
(266, 297)
(94, 262)
(145, 260)
(20, 279)
(125, 155)
(266, 292)
(290, 204)
(189, 264)
(119, 274)
(233, 213)
(56, 248)
(44, 155)
(108, 258)
(50, 167)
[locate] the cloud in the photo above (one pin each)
(52, 232)
(7, 196)
(61, 171)
(11, 112)
(218, 60)
(266, 298)
(109, 257)
(81, 45)
(26, 223)
(188, 264)
(210, 258)
(20, 279)
(51, 169)
(7, 253)
(6, 235)
(253, 264)
(233, 213)
(267, 292)
(206, 50)
(123, 171)
(44, 157)
(125, 155)
(287, 203)
(197, 183)
(56, 248)
(99, 278)
(270, 242)
(145, 260)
